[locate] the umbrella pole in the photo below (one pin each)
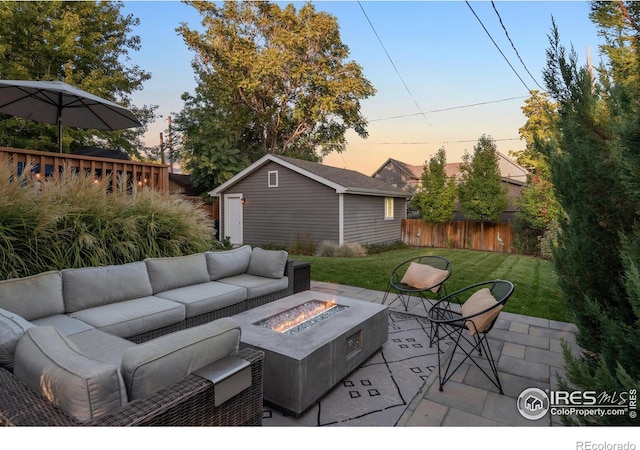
(60, 122)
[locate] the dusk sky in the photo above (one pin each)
(440, 79)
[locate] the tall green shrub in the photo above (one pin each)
(595, 170)
(76, 221)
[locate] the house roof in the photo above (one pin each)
(510, 171)
(342, 180)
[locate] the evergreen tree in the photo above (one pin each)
(437, 198)
(480, 190)
(595, 170)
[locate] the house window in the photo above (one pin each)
(388, 208)
(272, 177)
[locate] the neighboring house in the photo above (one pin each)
(408, 177)
(280, 200)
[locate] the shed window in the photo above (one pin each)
(272, 178)
(388, 208)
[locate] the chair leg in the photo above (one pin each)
(477, 343)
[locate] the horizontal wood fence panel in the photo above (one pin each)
(459, 234)
(155, 176)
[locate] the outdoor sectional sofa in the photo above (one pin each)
(145, 343)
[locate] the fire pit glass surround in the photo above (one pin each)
(299, 318)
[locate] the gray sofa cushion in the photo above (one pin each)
(101, 346)
(167, 359)
(228, 263)
(89, 287)
(175, 272)
(133, 317)
(33, 297)
(64, 324)
(205, 297)
(257, 286)
(53, 366)
(267, 263)
(12, 328)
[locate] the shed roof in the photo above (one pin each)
(342, 180)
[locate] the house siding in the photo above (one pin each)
(364, 220)
(298, 209)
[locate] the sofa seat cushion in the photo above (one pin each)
(33, 297)
(165, 360)
(12, 328)
(89, 287)
(205, 297)
(54, 367)
(256, 285)
(178, 271)
(101, 346)
(133, 317)
(228, 263)
(65, 324)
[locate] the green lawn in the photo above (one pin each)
(536, 287)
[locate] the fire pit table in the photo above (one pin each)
(311, 341)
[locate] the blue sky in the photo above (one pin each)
(425, 59)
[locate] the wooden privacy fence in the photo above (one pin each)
(458, 234)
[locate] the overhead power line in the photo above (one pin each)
(514, 47)
(393, 64)
(498, 47)
(448, 109)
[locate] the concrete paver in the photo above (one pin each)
(528, 351)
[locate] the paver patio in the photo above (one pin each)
(529, 354)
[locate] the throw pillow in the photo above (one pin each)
(228, 263)
(53, 366)
(268, 263)
(478, 302)
(423, 276)
(12, 327)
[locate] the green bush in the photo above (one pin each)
(76, 221)
(328, 248)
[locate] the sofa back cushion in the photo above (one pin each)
(90, 287)
(33, 297)
(167, 359)
(178, 271)
(12, 328)
(268, 263)
(54, 367)
(228, 263)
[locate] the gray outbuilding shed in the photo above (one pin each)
(283, 201)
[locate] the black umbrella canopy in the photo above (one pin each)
(60, 103)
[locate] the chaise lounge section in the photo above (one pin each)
(150, 342)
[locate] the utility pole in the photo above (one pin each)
(170, 146)
(161, 149)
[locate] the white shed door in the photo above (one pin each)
(233, 218)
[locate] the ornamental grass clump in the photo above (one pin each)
(75, 220)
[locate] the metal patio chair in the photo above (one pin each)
(423, 277)
(465, 317)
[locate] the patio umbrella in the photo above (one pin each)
(60, 103)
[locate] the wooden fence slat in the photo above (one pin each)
(458, 234)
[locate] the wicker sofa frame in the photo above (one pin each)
(187, 402)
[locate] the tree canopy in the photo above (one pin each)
(274, 80)
(595, 168)
(436, 200)
(86, 43)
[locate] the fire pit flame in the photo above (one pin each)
(301, 317)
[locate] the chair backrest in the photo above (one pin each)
(501, 290)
